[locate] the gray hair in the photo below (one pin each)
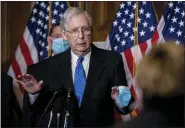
(70, 13)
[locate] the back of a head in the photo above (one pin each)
(161, 71)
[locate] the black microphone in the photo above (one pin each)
(48, 105)
(68, 108)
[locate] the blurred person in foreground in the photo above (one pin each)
(161, 76)
(91, 72)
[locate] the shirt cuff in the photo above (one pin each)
(120, 108)
(33, 97)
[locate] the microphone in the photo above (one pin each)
(68, 108)
(68, 99)
(48, 105)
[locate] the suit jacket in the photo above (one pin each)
(11, 112)
(97, 108)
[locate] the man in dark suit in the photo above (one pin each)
(92, 101)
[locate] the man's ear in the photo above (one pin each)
(64, 35)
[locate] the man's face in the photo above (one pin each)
(81, 42)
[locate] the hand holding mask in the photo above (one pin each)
(123, 96)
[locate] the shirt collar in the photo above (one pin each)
(74, 57)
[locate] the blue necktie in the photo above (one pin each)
(79, 80)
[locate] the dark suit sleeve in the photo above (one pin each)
(33, 112)
(44, 70)
(120, 79)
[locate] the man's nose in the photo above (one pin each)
(80, 34)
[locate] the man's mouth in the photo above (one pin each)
(81, 44)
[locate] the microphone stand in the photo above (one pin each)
(50, 119)
(66, 119)
(67, 111)
(46, 109)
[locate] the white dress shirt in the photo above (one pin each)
(85, 63)
(74, 59)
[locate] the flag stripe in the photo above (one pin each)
(128, 73)
(129, 60)
(10, 72)
(29, 42)
(25, 52)
(17, 71)
(137, 54)
(158, 34)
(133, 92)
(143, 47)
(149, 45)
(15, 67)
(155, 37)
(20, 60)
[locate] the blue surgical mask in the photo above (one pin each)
(124, 96)
(59, 45)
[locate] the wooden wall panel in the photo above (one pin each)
(5, 48)
(14, 19)
(103, 14)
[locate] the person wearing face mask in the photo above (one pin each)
(92, 73)
(55, 40)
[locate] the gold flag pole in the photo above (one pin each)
(134, 113)
(50, 25)
(68, 4)
(135, 40)
(156, 16)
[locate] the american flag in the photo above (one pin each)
(172, 24)
(121, 37)
(34, 46)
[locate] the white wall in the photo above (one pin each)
(100, 44)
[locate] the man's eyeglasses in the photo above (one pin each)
(84, 30)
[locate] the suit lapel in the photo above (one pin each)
(67, 79)
(67, 71)
(96, 67)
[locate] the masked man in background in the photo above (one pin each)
(55, 40)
